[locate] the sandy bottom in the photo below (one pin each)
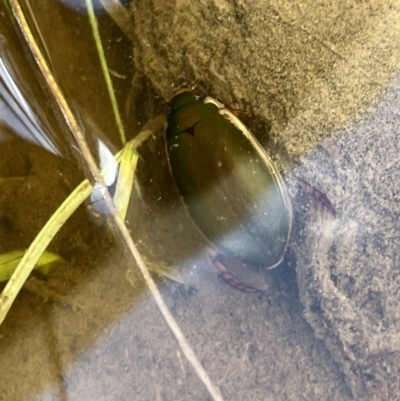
(85, 333)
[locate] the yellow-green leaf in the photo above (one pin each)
(9, 262)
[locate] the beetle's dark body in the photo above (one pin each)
(231, 188)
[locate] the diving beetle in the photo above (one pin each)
(231, 188)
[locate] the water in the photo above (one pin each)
(327, 326)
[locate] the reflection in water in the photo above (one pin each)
(100, 7)
(110, 168)
(17, 114)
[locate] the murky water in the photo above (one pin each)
(91, 330)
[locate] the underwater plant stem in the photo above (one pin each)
(55, 90)
(166, 313)
(39, 245)
(37, 248)
(91, 164)
(104, 67)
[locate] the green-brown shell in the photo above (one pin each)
(230, 186)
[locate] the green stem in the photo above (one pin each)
(104, 67)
